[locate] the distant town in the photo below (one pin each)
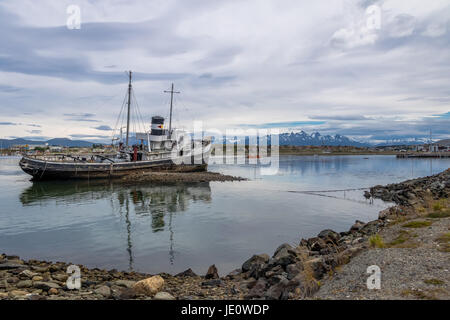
(436, 149)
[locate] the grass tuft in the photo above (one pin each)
(435, 282)
(376, 241)
(417, 224)
(439, 214)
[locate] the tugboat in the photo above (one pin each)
(159, 149)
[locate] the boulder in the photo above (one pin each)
(276, 290)
(293, 269)
(149, 286)
(45, 285)
(358, 225)
(186, 273)
(258, 290)
(284, 255)
(212, 273)
(257, 259)
(329, 235)
(104, 291)
(125, 283)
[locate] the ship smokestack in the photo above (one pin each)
(157, 126)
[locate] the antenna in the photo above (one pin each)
(171, 103)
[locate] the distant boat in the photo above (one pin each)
(166, 149)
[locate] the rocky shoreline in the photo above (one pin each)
(310, 270)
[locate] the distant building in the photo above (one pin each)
(56, 148)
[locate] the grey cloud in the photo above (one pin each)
(103, 128)
(89, 136)
(340, 118)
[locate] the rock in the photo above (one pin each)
(317, 266)
(357, 226)
(125, 283)
(40, 269)
(284, 255)
(212, 273)
(27, 273)
(36, 297)
(53, 291)
(235, 273)
(124, 294)
(10, 265)
(277, 270)
(330, 235)
(60, 277)
(17, 293)
(46, 285)
(256, 259)
(317, 244)
(163, 296)
(24, 284)
(37, 278)
(293, 269)
(12, 280)
(149, 286)
(186, 273)
(275, 291)
(367, 194)
(212, 283)
(258, 290)
(104, 291)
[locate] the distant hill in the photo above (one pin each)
(64, 142)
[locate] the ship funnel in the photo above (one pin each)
(158, 126)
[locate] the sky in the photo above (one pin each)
(370, 70)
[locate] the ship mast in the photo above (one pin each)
(129, 106)
(171, 103)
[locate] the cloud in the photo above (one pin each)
(89, 136)
(103, 128)
(282, 124)
(340, 117)
(236, 63)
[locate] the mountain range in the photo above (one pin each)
(300, 138)
(65, 142)
(316, 139)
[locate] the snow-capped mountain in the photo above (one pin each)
(302, 138)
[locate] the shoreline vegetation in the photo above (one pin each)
(409, 241)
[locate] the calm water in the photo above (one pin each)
(169, 228)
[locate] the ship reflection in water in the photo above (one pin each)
(157, 204)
